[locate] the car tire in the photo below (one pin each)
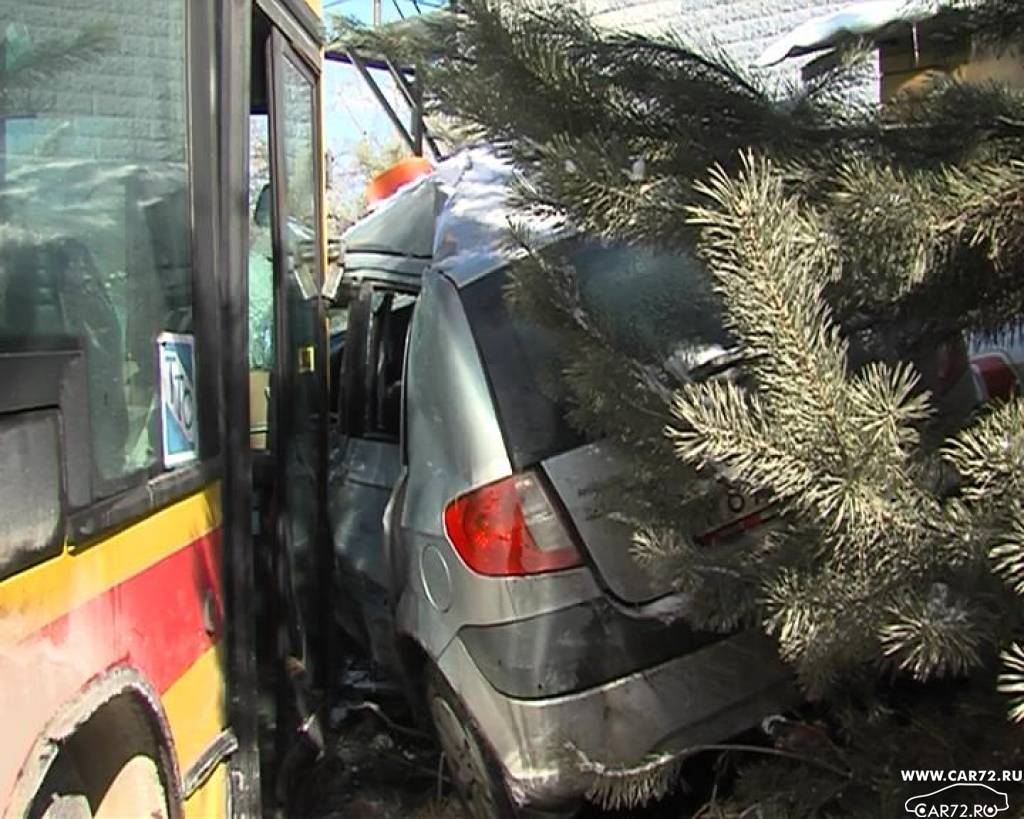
(475, 772)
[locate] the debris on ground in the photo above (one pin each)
(368, 770)
(376, 763)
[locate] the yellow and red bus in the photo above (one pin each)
(128, 243)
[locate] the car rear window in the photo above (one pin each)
(657, 307)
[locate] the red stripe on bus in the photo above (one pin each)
(153, 621)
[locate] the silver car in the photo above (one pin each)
(472, 551)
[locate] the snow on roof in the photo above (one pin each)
(865, 19)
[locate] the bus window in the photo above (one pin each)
(301, 169)
(261, 254)
(261, 282)
(95, 237)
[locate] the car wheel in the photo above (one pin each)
(475, 772)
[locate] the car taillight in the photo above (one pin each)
(997, 376)
(951, 363)
(508, 528)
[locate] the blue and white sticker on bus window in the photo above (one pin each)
(178, 408)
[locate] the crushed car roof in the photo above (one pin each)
(458, 220)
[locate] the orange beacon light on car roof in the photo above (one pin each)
(401, 173)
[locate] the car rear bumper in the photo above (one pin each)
(578, 647)
(549, 747)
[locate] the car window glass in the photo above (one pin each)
(655, 306)
(392, 319)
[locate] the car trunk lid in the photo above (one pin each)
(581, 476)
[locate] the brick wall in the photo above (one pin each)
(91, 142)
(125, 104)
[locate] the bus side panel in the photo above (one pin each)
(195, 707)
(210, 801)
(147, 598)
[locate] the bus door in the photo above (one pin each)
(287, 363)
(299, 325)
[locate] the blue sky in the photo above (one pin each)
(351, 112)
(363, 9)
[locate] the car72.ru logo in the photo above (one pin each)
(964, 800)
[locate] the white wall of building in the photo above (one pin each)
(744, 28)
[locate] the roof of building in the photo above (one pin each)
(871, 19)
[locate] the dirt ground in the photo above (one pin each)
(376, 767)
(370, 773)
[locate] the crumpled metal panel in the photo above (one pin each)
(552, 748)
(460, 217)
(403, 225)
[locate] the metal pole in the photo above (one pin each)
(376, 12)
(234, 37)
(417, 119)
(372, 85)
(413, 94)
